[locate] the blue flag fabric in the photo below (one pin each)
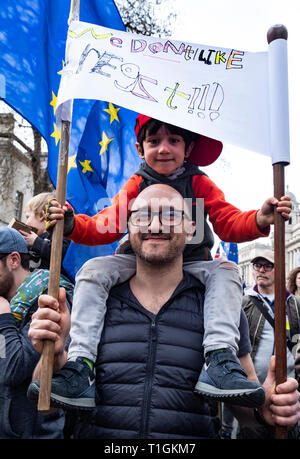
(105, 159)
(32, 48)
(231, 250)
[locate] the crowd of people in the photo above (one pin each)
(149, 341)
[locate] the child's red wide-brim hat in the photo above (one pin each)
(205, 152)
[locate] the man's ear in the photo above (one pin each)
(139, 150)
(14, 260)
(190, 148)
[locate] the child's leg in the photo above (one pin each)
(93, 283)
(222, 304)
(222, 377)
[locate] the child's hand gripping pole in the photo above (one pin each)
(47, 358)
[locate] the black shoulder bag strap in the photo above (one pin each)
(264, 310)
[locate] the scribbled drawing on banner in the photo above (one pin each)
(219, 92)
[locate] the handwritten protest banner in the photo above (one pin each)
(219, 92)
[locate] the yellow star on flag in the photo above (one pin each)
(60, 72)
(86, 166)
(104, 143)
(53, 101)
(113, 111)
(72, 162)
(55, 134)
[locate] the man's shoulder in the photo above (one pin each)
(191, 281)
(39, 279)
(249, 299)
(294, 299)
(122, 294)
(36, 284)
(122, 287)
(44, 274)
(293, 311)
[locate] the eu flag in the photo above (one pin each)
(105, 159)
(32, 48)
(231, 250)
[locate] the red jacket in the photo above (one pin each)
(229, 223)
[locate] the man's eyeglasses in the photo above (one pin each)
(267, 266)
(167, 217)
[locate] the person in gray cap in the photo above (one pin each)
(19, 292)
(259, 306)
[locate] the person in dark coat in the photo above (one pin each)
(19, 293)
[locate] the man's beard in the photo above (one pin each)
(6, 283)
(175, 249)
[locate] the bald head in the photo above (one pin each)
(160, 195)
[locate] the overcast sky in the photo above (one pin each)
(247, 177)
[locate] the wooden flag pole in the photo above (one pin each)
(275, 33)
(280, 297)
(55, 266)
(47, 358)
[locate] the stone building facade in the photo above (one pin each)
(292, 245)
(292, 236)
(16, 178)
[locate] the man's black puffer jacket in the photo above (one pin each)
(147, 368)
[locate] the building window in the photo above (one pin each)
(19, 205)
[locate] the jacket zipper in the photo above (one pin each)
(149, 378)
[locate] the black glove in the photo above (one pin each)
(69, 219)
(69, 222)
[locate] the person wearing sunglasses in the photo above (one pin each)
(259, 306)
